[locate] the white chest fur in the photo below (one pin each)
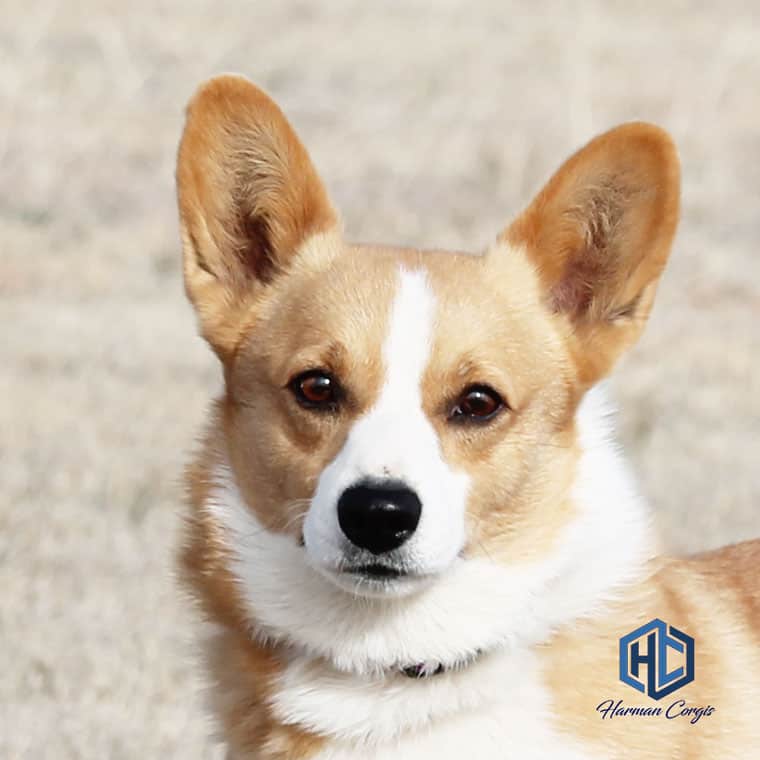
(496, 709)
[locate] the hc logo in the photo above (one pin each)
(649, 645)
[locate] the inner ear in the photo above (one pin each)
(258, 253)
(596, 251)
(599, 235)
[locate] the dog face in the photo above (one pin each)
(394, 411)
(387, 410)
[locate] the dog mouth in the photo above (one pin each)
(375, 571)
(376, 579)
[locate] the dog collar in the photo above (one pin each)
(423, 669)
(432, 668)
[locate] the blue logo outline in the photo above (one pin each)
(659, 638)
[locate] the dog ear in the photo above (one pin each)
(248, 196)
(599, 235)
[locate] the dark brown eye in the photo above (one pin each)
(315, 389)
(478, 403)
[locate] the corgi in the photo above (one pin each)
(410, 531)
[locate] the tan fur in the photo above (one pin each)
(247, 669)
(522, 465)
(735, 570)
(541, 317)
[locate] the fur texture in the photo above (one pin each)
(534, 551)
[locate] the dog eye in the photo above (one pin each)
(479, 403)
(315, 389)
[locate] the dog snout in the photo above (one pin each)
(379, 516)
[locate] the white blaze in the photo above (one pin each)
(396, 440)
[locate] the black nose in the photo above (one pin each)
(379, 516)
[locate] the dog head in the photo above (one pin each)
(390, 413)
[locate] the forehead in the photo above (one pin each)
(483, 310)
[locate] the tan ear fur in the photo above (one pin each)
(599, 235)
(248, 196)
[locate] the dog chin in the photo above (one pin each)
(377, 581)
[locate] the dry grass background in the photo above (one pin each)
(431, 124)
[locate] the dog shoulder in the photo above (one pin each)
(736, 568)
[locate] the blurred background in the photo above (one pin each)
(431, 124)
